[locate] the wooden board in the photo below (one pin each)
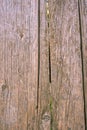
(44, 90)
(18, 64)
(62, 100)
(66, 66)
(83, 29)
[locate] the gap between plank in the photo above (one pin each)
(81, 48)
(38, 54)
(48, 24)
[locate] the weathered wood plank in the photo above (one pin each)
(9, 84)
(83, 24)
(19, 63)
(66, 66)
(32, 55)
(44, 88)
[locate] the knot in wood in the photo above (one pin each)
(4, 86)
(46, 117)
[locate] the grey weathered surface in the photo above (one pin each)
(43, 62)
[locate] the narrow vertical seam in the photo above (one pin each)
(38, 55)
(48, 27)
(49, 64)
(82, 62)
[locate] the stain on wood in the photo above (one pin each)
(43, 65)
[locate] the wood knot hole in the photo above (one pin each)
(21, 35)
(46, 117)
(4, 86)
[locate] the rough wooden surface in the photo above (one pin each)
(18, 64)
(44, 90)
(66, 66)
(83, 22)
(43, 62)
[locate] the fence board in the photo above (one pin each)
(44, 90)
(19, 63)
(83, 23)
(66, 66)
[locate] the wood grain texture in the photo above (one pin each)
(83, 22)
(44, 90)
(18, 64)
(66, 66)
(43, 62)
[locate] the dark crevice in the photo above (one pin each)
(51, 113)
(81, 48)
(49, 65)
(48, 27)
(38, 54)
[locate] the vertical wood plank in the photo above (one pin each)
(19, 64)
(22, 29)
(83, 23)
(33, 65)
(44, 88)
(9, 86)
(66, 66)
